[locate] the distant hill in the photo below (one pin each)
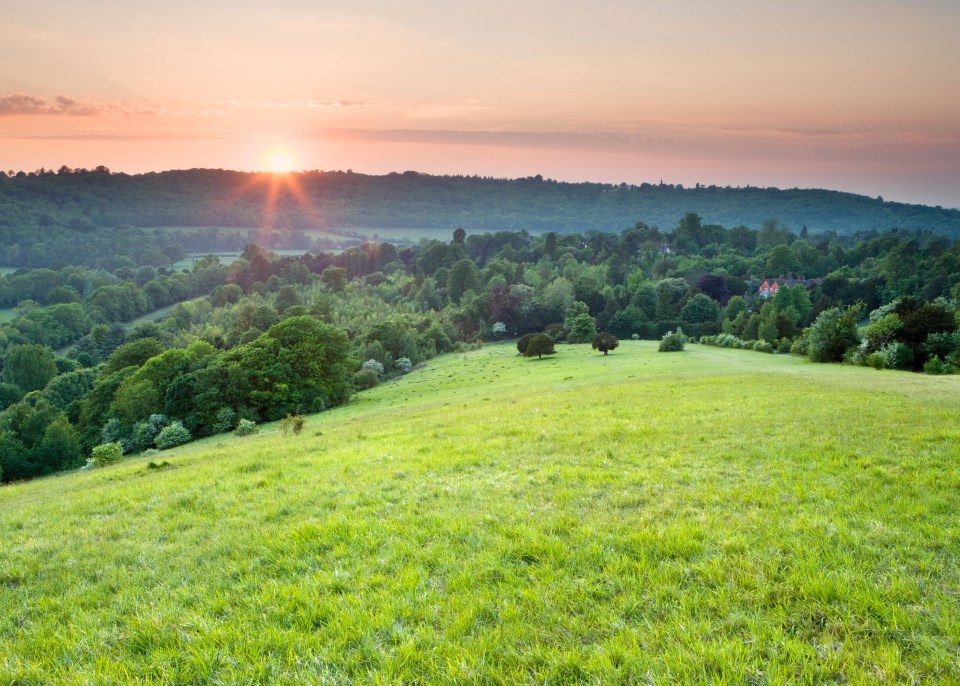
(82, 200)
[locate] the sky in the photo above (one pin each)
(853, 95)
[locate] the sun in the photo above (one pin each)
(280, 162)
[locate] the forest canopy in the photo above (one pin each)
(76, 216)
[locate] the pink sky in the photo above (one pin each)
(857, 95)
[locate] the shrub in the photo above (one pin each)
(245, 427)
(877, 360)
(145, 432)
(373, 365)
(673, 341)
(523, 342)
(292, 422)
(898, 355)
(403, 364)
(106, 453)
(226, 420)
(800, 347)
(783, 347)
(498, 329)
(762, 346)
(365, 378)
(172, 436)
(634, 337)
(557, 332)
(582, 329)
(937, 366)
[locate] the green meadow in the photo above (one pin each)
(713, 516)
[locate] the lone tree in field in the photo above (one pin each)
(605, 342)
(540, 344)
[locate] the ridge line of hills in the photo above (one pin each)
(85, 200)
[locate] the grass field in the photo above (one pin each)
(226, 258)
(713, 516)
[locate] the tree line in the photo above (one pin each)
(81, 216)
(274, 335)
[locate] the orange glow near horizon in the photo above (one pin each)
(732, 93)
(280, 162)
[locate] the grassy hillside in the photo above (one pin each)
(713, 516)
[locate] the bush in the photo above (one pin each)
(292, 422)
(800, 347)
(145, 432)
(673, 341)
(783, 347)
(634, 337)
(172, 436)
(226, 420)
(523, 342)
(877, 360)
(403, 364)
(937, 366)
(833, 333)
(105, 454)
(898, 355)
(245, 427)
(582, 330)
(373, 365)
(762, 346)
(365, 378)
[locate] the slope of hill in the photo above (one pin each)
(712, 516)
(83, 200)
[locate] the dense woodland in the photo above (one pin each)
(268, 337)
(94, 217)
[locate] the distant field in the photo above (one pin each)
(714, 516)
(7, 314)
(226, 258)
(8, 270)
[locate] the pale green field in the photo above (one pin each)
(226, 258)
(713, 516)
(7, 314)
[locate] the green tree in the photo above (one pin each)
(671, 295)
(132, 354)
(582, 329)
(29, 366)
(286, 298)
(60, 447)
(15, 463)
(701, 315)
(335, 278)
(462, 277)
(605, 342)
(540, 344)
(833, 333)
(782, 261)
(523, 342)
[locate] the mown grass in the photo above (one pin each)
(713, 516)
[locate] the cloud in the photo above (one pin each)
(23, 104)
